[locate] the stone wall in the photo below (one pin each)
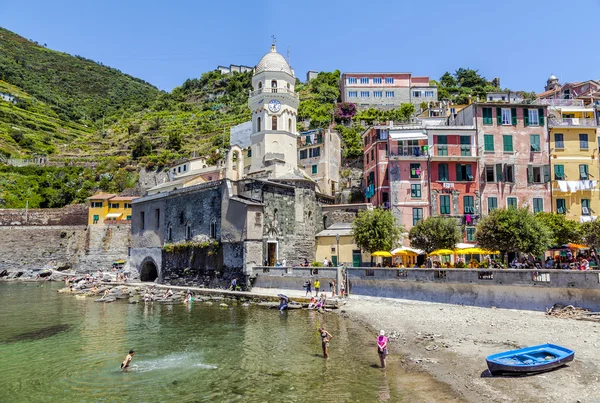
(76, 214)
(513, 289)
(76, 246)
(193, 266)
(291, 220)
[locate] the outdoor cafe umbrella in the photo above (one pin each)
(477, 251)
(443, 252)
(381, 253)
(576, 246)
(404, 252)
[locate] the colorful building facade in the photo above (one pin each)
(514, 169)
(574, 148)
(386, 89)
(107, 208)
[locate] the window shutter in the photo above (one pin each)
(458, 173)
(513, 115)
(498, 172)
(499, 115)
(541, 116)
(529, 174)
(469, 173)
(525, 117)
(546, 173)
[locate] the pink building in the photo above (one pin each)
(375, 174)
(386, 89)
(454, 180)
(514, 168)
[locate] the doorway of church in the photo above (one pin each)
(272, 252)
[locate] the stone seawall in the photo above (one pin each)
(76, 214)
(63, 246)
(499, 296)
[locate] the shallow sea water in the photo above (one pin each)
(57, 347)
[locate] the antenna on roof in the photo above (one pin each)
(287, 54)
(274, 40)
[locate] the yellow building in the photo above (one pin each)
(107, 208)
(336, 243)
(574, 147)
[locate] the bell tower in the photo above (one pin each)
(274, 106)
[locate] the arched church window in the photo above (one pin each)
(258, 124)
(290, 125)
(274, 123)
(274, 86)
(259, 85)
(288, 86)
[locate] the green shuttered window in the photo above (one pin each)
(444, 204)
(507, 143)
(488, 142)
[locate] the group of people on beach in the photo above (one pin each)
(308, 285)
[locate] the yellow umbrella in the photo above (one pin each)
(381, 253)
(443, 252)
(576, 246)
(403, 252)
(476, 251)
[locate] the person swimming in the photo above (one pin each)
(127, 361)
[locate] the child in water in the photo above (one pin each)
(125, 364)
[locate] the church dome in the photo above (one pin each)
(273, 61)
(552, 77)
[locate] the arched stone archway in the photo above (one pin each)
(149, 271)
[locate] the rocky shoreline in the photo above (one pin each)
(134, 293)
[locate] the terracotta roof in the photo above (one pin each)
(546, 93)
(123, 198)
(101, 196)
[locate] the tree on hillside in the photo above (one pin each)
(590, 232)
(141, 147)
(562, 230)
(513, 230)
(174, 142)
(376, 230)
(435, 233)
(461, 85)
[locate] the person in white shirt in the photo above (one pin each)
(325, 262)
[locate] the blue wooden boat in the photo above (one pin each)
(530, 359)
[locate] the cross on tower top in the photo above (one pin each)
(274, 39)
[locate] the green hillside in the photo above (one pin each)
(77, 89)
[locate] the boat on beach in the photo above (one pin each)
(543, 357)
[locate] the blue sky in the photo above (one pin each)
(166, 42)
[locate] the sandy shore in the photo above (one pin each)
(451, 343)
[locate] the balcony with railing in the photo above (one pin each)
(453, 151)
(562, 122)
(559, 102)
(274, 90)
(409, 151)
(307, 141)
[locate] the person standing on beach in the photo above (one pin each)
(317, 286)
(125, 364)
(308, 288)
(325, 338)
(382, 342)
(332, 286)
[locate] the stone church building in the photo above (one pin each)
(211, 232)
